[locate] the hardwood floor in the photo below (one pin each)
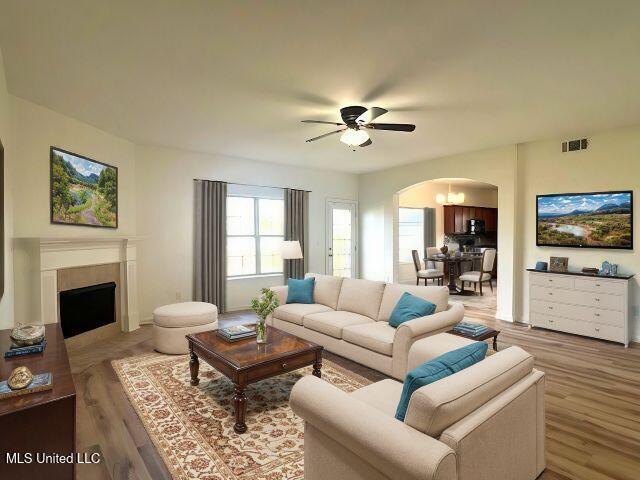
(592, 407)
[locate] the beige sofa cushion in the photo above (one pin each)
(295, 312)
(377, 336)
(332, 323)
(361, 296)
(392, 293)
(383, 395)
(433, 346)
(326, 290)
(436, 406)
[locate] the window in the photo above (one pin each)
(410, 233)
(255, 231)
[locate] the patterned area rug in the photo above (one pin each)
(192, 427)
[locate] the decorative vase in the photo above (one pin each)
(261, 331)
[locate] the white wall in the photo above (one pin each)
(35, 129)
(164, 185)
(6, 303)
(612, 162)
(378, 211)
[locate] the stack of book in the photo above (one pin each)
(237, 332)
(470, 329)
(15, 350)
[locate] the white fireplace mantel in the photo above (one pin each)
(36, 265)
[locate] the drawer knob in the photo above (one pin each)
(550, 321)
(597, 284)
(597, 299)
(551, 280)
(597, 329)
(597, 314)
(284, 365)
(550, 308)
(551, 293)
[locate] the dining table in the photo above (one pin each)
(453, 266)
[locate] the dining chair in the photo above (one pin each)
(478, 277)
(426, 273)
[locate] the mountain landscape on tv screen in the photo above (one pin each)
(590, 220)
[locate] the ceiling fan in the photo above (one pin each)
(355, 120)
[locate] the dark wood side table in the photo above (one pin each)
(491, 333)
(247, 361)
(40, 422)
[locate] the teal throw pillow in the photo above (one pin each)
(410, 307)
(437, 369)
(300, 291)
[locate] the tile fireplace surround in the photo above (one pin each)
(41, 263)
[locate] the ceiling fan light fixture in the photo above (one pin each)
(354, 137)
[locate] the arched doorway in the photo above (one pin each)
(461, 213)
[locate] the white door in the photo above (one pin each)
(342, 231)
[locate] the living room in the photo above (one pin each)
(195, 138)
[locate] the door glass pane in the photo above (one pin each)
(271, 221)
(342, 242)
(270, 254)
(240, 216)
(241, 256)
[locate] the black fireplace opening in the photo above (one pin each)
(83, 309)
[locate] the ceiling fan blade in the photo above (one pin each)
(370, 115)
(397, 127)
(326, 135)
(320, 121)
(366, 144)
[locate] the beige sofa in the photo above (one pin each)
(483, 423)
(350, 318)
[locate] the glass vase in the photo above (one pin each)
(261, 331)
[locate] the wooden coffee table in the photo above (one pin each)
(247, 361)
(491, 333)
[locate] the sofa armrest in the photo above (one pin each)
(388, 445)
(408, 332)
(281, 291)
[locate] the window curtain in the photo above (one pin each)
(296, 219)
(429, 227)
(210, 252)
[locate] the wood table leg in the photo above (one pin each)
(194, 366)
(240, 405)
(495, 343)
(317, 366)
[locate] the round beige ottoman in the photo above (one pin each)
(172, 322)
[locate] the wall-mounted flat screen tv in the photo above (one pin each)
(585, 220)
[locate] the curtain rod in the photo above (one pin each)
(251, 185)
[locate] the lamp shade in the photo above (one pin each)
(291, 250)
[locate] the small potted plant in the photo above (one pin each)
(263, 306)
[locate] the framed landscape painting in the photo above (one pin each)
(83, 191)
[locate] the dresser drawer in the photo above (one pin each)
(551, 280)
(577, 297)
(554, 323)
(580, 313)
(600, 286)
(606, 332)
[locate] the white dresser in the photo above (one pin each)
(580, 304)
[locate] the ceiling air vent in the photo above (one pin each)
(574, 145)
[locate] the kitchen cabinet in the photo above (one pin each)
(456, 218)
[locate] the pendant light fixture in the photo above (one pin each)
(452, 198)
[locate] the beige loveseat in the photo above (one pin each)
(350, 318)
(486, 422)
